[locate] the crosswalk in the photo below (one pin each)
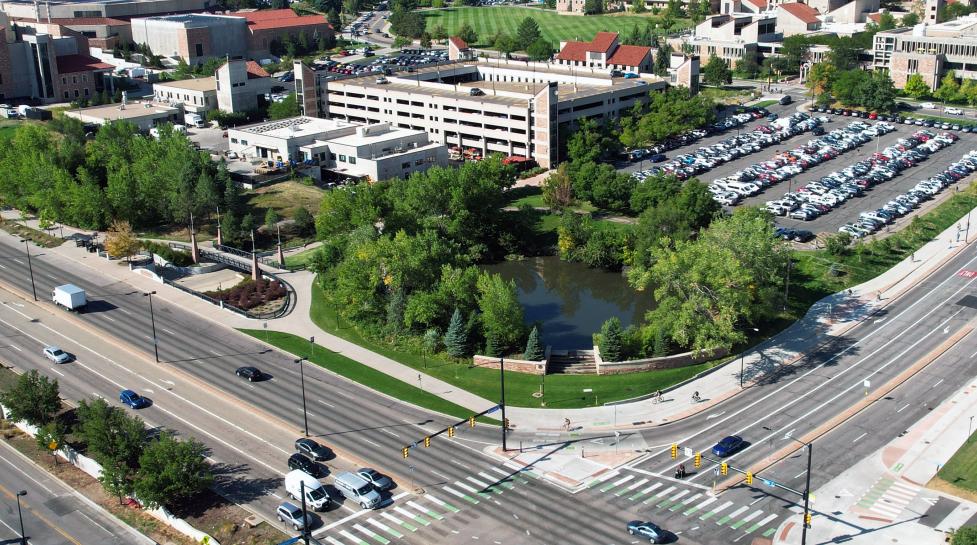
(410, 514)
(693, 503)
(888, 497)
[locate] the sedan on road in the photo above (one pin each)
(250, 374)
(647, 530)
(313, 449)
(300, 461)
(133, 400)
(56, 355)
(728, 445)
(379, 481)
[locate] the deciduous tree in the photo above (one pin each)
(121, 240)
(34, 399)
(916, 87)
(171, 471)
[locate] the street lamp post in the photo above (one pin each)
(30, 266)
(807, 493)
(502, 402)
(305, 411)
(152, 320)
(23, 538)
(743, 362)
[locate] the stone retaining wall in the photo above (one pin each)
(664, 362)
(518, 366)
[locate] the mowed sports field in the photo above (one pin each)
(489, 20)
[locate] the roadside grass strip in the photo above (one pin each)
(623, 491)
(684, 502)
(694, 509)
(351, 537)
(425, 510)
(742, 522)
(444, 504)
(385, 528)
(645, 492)
(731, 516)
(715, 511)
(376, 537)
(660, 494)
(417, 518)
(460, 495)
(673, 499)
(615, 484)
(763, 522)
(399, 522)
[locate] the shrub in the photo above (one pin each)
(250, 294)
(176, 257)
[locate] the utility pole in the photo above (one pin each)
(305, 411)
(152, 320)
(502, 402)
(30, 266)
(807, 494)
(23, 538)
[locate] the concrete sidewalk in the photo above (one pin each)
(832, 316)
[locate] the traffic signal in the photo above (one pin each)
(427, 441)
(471, 421)
(506, 423)
(406, 451)
(807, 520)
(674, 451)
(451, 431)
(724, 468)
(749, 477)
(698, 460)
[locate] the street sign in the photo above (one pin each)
(866, 383)
(588, 390)
(967, 273)
(492, 410)
(715, 471)
(53, 445)
(413, 445)
(688, 451)
(769, 483)
(810, 498)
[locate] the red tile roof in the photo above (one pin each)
(256, 71)
(762, 4)
(279, 18)
(876, 17)
(577, 51)
(629, 55)
(602, 41)
(458, 42)
(68, 64)
(803, 12)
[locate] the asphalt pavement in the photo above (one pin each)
(53, 513)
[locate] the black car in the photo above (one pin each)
(312, 449)
(300, 461)
(801, 235)
(250, 374)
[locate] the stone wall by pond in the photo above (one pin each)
(650, 364)
(517, 366)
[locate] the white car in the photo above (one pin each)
(56, 355)
(953, 111)
(927, 105)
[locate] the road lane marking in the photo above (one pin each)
(433, 514)
(855, 440)
(371, 533)
(801, 474)
(685, 502)
(167, 331)
(347, 535)
(498, 482)
(417, 518)
(630, 487)
(399, 522)
(330, 405)
(742, 522)
(444, 504)
(389, 432)
(24, 473)
(660, 494)
(460, 495)
(903, 408)
(615, 484)
(645, 491)
(941, 380)
(698, 507)
(372, 443)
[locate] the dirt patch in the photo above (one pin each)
(285, 198)
(226, 522)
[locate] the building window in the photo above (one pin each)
(76, 93)
(66, 94)
(64, 80)
(342, 158)
(405, 166)
(84, 78)
(86, 91)
(352, 160)
(199, 49)
(244, 142)
(74, 79)
(234, 140)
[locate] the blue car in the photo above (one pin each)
(728, 446)
(133, 400)
(647, 530)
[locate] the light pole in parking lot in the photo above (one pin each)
(20, 516)
(30, 267)
(305, 411)
(152, 320)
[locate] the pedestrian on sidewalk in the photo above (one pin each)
(878, 295)
(566, 424)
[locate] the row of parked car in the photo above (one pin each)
(904, 120)
(708, 157)
(752, 180)
(873, 220)
(819, 197)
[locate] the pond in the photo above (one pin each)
(571, 300)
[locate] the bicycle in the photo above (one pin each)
(696, 398)
(657, 398)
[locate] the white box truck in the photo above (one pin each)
(195, 120)
(316, 496)
(69, 296)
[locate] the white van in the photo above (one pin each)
(743, 188)
(316, 496)
(355, 488)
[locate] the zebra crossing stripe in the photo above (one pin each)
(732, 515)
(623, 491)
(417, 518)
(446, 505)
(602, 478)
(333, 540)
(762, 522)
(673, 499)
(742, 522)
(660, 494)
(769, 532)
(684, 502)
(722, 507)
(399, 522)
(696, 508)
(385, 528)
(470, 489)
(516, 475)
(645, 491)
(354, 539)
(617, 483)
(371, 533)
(460, 495)
(502, 482)
(486, 488)
(424, 510)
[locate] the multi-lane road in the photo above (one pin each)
(250, 427)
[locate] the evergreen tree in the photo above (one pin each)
(662, 58)
(456, 337)
(611, 343)
(527, 33)
(660, 347)
(492, 347)
(534, 349)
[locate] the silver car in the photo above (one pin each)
(56, 355)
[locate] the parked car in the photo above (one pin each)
(647, 530)
(56, 355)
(728, 445)
(133, 400)
(312, 449)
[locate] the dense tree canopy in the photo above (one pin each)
(668, 113)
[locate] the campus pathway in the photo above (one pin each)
(833, 315)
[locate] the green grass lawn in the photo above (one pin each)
(561, 391)
(961, 469)
(300, 259)
(765, 103)
(285, 197)
(487, 21)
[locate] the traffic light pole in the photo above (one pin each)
(502, 402)
(807, 494)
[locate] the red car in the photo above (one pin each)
(873, 115)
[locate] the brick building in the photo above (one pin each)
(928, 50)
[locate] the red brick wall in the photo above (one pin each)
(260, 40)
(189, 41)
(76, 81)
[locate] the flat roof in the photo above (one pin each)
(114, 112)
(296, 126)
(195, 84)
(356, 139)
